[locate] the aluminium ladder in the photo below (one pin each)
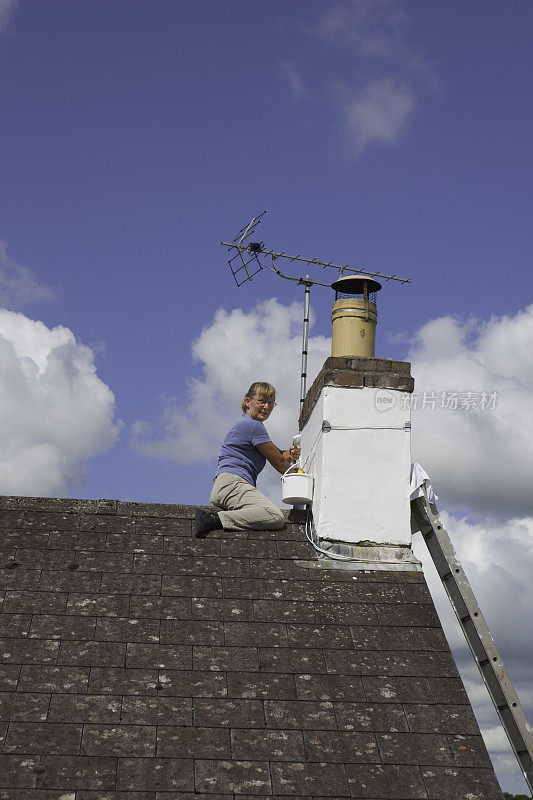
(426, 519)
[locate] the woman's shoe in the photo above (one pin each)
(206, 521)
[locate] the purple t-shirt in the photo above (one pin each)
(238, 453)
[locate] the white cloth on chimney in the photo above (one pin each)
(419, 478)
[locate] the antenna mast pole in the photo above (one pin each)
(307, 285)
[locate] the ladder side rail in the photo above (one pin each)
(477, 635)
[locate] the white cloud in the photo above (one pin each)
(235, 350)
(55, 413)
(390, 72)
(481, 460)
(495, 738)
(374, 28)
(6, 7)
(18, 287)
(293, 77)
(377, 114)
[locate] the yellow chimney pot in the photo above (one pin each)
(354, 316)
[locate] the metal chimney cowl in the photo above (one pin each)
(361, 459)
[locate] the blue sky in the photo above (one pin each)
(137, 135)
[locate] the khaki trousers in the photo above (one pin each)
(242, 507)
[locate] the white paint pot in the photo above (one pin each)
(297, 488)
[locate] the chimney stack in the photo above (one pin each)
(356, 437)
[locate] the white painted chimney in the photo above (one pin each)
(356, 442)
(356, 434)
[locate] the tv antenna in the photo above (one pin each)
(249, 257)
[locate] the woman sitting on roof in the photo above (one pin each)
(244, 452)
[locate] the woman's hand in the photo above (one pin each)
(295, 452)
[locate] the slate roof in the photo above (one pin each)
(138, 663)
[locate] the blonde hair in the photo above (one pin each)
(265, 391)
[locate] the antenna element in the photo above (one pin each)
(247, 258)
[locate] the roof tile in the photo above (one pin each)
(162, 656)
(84, 708)
(43, 738)
(342, 746)
(387, 781)
(448, 783)
(228, 713)
(232, 776)
(77, 772)
(195, 742)
(119, 740)
(371, 717)
(52, 626)
(262, 685)
(298, 714)
(269, 746)
(24, 706)
(163, 774)
(160, 710)
(326, 780)
(330, 687)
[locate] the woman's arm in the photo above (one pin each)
(280, 459)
